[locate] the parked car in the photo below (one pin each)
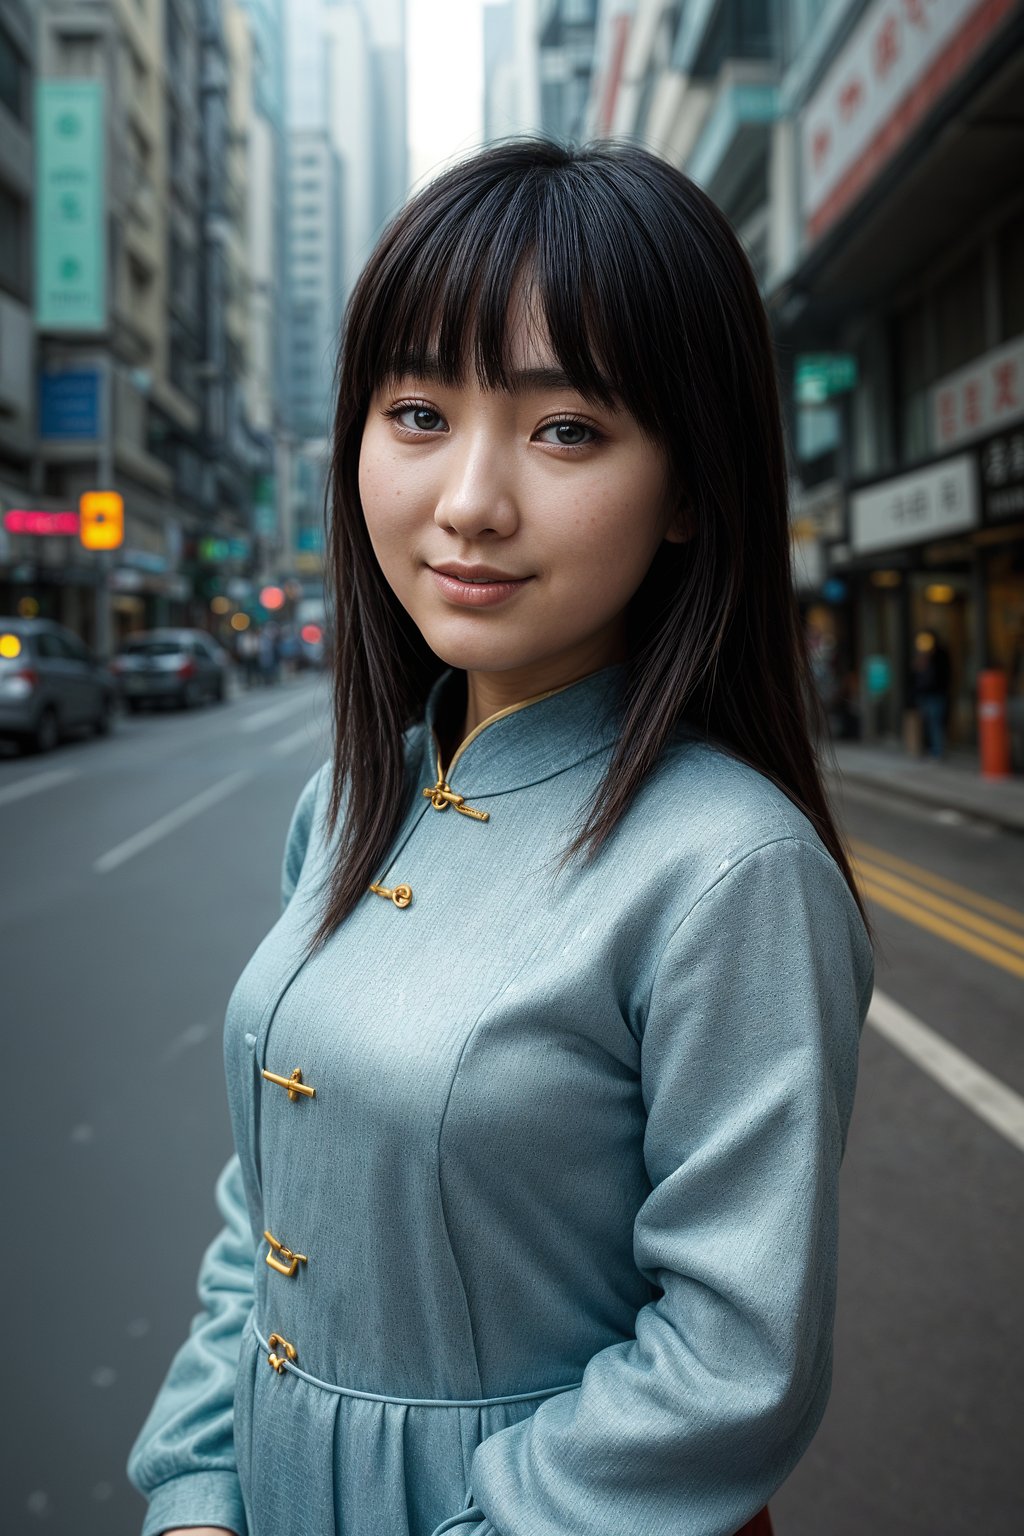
(171, 666)
(50, 683)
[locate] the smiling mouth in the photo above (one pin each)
(475, 576)
(476, 588)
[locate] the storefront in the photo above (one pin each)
(913, 565)
(1001, 546)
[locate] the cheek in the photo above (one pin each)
(384, 491)
(615, 527)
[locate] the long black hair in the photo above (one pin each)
(650, 303)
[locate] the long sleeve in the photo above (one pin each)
(183, 1459)
(749, 1046)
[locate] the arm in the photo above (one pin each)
(183, 1459)
(749, 1054)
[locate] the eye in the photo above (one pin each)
(416, 418)
(568, 433)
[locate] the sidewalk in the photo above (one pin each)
(956, 783)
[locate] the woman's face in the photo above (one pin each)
(513, 527)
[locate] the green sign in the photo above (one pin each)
(264, 507)
(215, 551)
(821, 375)
(877, 675)
(71, 247)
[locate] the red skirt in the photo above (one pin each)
(761, 1525)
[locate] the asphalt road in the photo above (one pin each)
(140, 872)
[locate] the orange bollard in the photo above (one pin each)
(993, 728)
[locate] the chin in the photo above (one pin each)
(496, 652)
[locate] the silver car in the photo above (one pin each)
(171, 666)
(50, 684)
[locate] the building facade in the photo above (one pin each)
(127, 331)
(864, 150)
(906, 281)
(348, 173)
(17, 333)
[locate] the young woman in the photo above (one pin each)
(541, 1083)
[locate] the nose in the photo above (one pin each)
(477, 496)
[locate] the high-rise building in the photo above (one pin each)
(315, 265)
(17, 338)
(566, 32)
(138, 371)
(348, 172)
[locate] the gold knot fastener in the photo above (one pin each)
(277, 1361)
(441, 796)
(292, 1260)
(294, 1084)
(401, 895)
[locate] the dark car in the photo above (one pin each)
(50, 683)
(171, 666)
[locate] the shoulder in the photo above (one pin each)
(709, 836)
(307, 823)
(706, 806)
(307, 812)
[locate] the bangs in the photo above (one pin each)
(449, 283)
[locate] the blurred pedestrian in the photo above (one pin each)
(248, 649)
(288, 649)
(268, 655)
(930, 678)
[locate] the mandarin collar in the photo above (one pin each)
(529, 741)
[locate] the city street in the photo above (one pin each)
(142, 870)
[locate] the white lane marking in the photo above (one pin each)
(990, 1099)
(305, 736)
(171, 822)
(38, 781)
(270, 716)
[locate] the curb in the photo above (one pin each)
(1007, 820)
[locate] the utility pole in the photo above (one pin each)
(105, 473)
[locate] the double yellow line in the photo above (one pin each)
(986, 928)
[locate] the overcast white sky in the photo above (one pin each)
(445, 62)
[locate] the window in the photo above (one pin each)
(13, 78)
(915, 374)
(71, 648)
(1011, 278)
(13, 244)
(960, 316)
(48, 647)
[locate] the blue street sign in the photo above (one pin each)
(69, 404)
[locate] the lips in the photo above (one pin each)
(474, 573)
(475, 586)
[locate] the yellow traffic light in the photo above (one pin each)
(102, 520)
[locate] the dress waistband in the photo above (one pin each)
(413, 1402)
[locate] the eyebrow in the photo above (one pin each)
(521, 380)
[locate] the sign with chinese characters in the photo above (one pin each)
(926, 504)
(1002, 474)
(970, 403)
(71, 247)
(901, 59)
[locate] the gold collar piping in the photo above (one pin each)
(441, 794)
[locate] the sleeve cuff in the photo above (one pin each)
(196, 1498)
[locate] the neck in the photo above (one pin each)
(489, 692)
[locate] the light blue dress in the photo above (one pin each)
(555, 1238)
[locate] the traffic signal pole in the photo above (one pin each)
(105, 471)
